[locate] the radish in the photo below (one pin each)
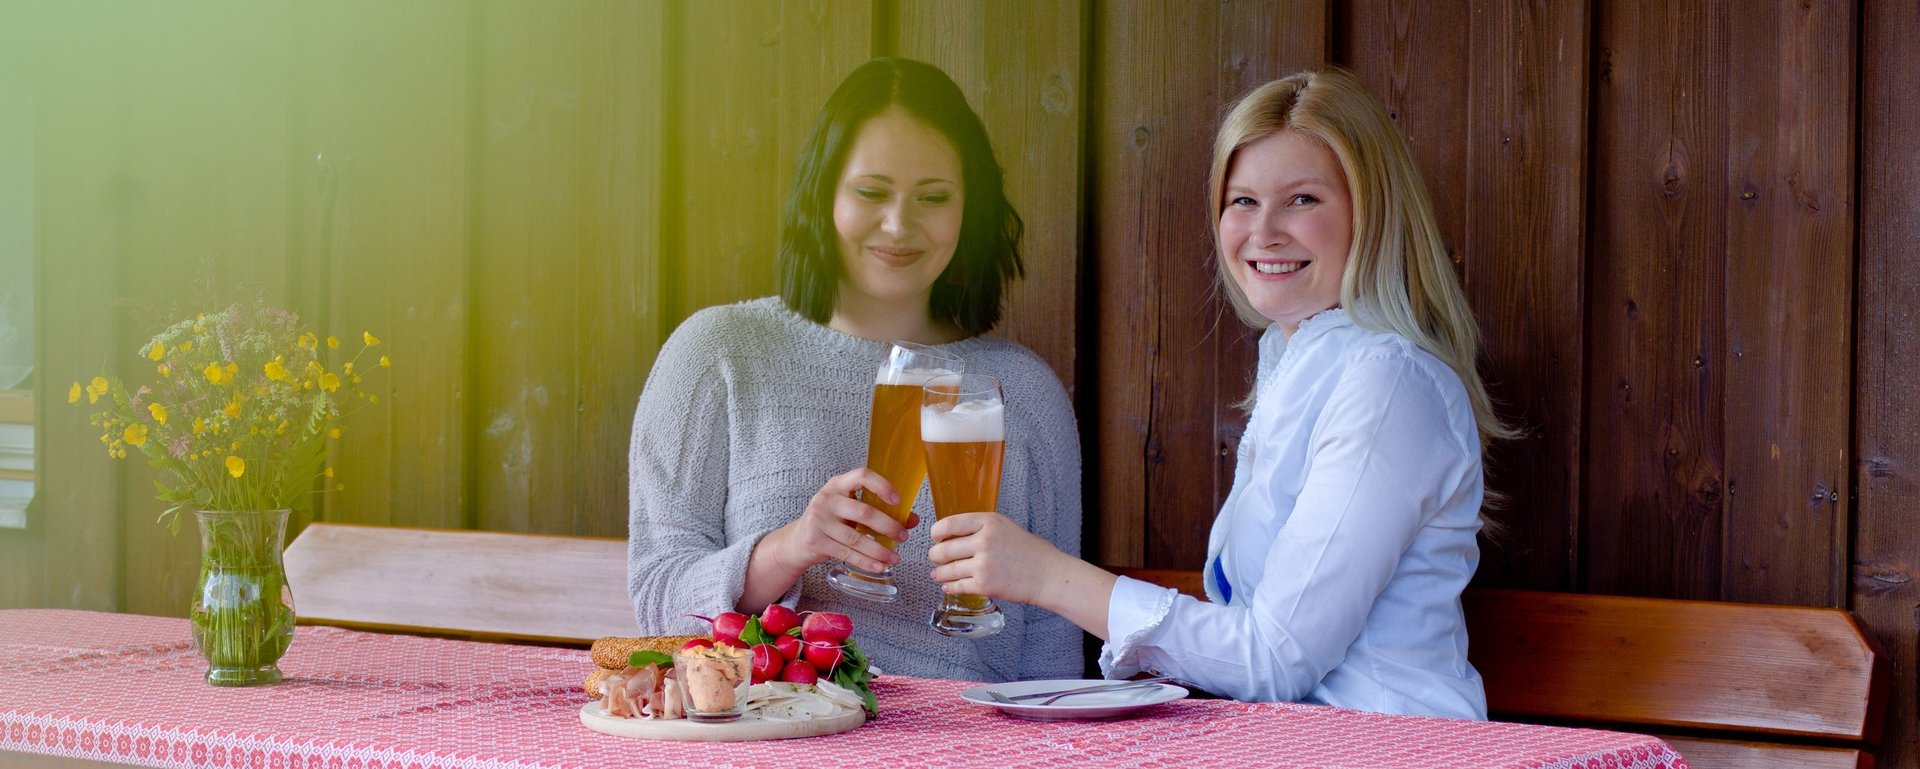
(789, 647)
(729, 624)
(777, 619)
(826, 626)
(824, 656)
(767, 663)
(799, 672)
(729, 640)
(696, 643)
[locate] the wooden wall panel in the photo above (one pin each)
(1886, 548)
(200, 134)
(1524, 259)
(563, 260)
(725, 156)
(1507, 179)
(1028, 90)
(1167, 353)
(389, 229)
(1789, 234)
(1653, 496)
(69, 555)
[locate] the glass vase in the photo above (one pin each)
(242, 607)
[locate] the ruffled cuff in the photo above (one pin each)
(1134, 613)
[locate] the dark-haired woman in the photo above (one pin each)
(749, 440)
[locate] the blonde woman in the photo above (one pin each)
(1335, 567)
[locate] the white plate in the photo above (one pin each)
(1080, 706)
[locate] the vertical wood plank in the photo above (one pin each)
(383, 162)
(563, 260)
(1415, 56)
(527, 183)
(1143, 128)
(1027, 88)
(1789, 232)
(202, 125)
(1886, 546)
(1169, 358)
(1655, 320)
(821, 42)
(69, 556)
(620, 295)
(1524, 266)
(727, 205)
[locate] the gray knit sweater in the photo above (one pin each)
(750, 408)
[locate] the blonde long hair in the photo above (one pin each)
(1397, 279)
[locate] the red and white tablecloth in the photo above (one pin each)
(128, 688)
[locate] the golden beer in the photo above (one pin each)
(893, 444)
(894, 451)
(966, 443)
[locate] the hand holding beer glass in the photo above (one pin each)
(963, 424)
(893, 451)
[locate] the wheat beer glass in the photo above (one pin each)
(963, 424)
(893, 451)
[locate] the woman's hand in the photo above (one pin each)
(827, 528)
(988, 554)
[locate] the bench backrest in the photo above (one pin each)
(1748, 674)
(475, 584)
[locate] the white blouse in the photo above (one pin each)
(1345, 542)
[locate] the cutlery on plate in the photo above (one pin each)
(1047, 698)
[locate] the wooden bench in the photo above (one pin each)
(469, 584)
(1728, 685)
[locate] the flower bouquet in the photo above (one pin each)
(238, 422)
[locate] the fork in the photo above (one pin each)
(1048, 698)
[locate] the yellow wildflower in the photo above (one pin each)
(356, 379)
(159, 413)
(135, 435)
(186, 347)
(276, 370)
(386, 362)
(333, 433)
(333, 342)
(329, 381)
(233, 369)
(214, 372)
(166, 372)
(309, 341)
(236, 466)
(328, 472)
(157, 351)
(73, 395)
(96, 388)
(199, 425)
(347, 369)
(370, 339)
(232, 410)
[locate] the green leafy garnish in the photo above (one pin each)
(645, 657)
(752, 635)
(853, 673)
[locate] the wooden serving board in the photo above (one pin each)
(749, 727)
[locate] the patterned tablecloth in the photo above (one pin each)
(128, 688)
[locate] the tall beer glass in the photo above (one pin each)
(893, 451)
(963, 424)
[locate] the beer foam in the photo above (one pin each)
(969, 422)
(915, 377)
